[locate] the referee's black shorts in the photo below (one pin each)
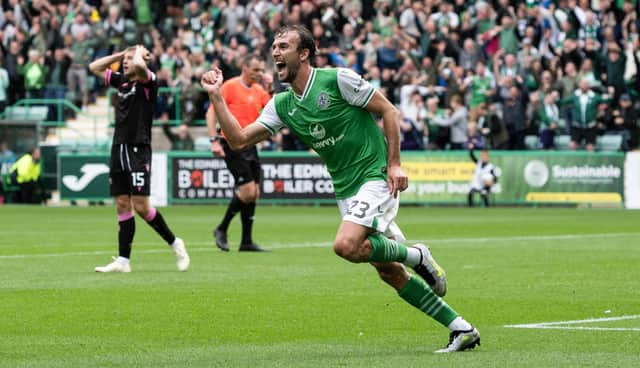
(130, 170)
(243, 165)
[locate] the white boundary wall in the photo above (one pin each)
(159, 177)
(632, 180)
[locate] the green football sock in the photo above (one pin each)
(417, 293)
(386, 250)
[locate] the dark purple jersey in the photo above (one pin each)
(134, 112)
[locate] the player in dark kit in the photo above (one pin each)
(245, 98)
(130, 166)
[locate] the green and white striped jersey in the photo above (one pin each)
(330, 118)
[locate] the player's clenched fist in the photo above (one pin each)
(212, 80)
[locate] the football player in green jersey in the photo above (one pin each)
(331, 111)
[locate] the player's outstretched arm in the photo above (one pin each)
(391, 117)
(237, 137)
(216, 147)
(98, 66)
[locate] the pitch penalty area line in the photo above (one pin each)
(570, 325)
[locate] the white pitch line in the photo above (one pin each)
(584, 328)
(590, 320)
(161, 249)
(327, 244)
(561, 325)
(534, 237)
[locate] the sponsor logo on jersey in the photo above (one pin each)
(317, 131)
(126, 95)
(323, 100)
(329, 142)
(293, 111)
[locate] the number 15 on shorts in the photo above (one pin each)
(137, 179)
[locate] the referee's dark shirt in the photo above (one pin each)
(134, 112)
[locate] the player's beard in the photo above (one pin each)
(292, 72)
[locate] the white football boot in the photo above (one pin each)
(182, 258)
(461, 340)
(115, 266)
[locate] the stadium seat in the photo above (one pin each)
(562, 141)
(609, 143)
(38, 113)
(562, 126)
(532, 142)
(201, 144)
(85, 146)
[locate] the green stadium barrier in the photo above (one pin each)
(8, 186)
(38, 113)
(35, 111)
(177, 109)
(604, 143)
(524, 178)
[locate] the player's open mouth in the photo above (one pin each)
(280, 65)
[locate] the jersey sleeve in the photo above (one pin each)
(355, 90)
(114, 79)
(151, 78)
(269, 117)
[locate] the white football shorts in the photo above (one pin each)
(374, 207)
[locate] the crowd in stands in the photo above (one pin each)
(463, 73)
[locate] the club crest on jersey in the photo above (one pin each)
(125, 95)
(317, 131)
(323, 100)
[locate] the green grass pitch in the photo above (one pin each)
(302, 306)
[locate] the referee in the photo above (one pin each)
(130, 164)
(245, 98)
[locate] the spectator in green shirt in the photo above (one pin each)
(144, 24)
(35, 74)
(482, 86)
(439, 136)
(181, 141)
(549, 118)
(484, 21)
(584, 104)
(508, 38)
